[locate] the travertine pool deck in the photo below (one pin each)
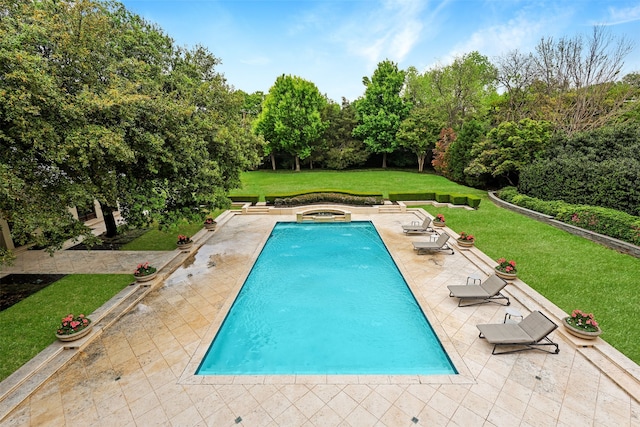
(139, 371)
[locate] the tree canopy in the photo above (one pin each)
(382, 109)
(291, 119)
(98, 104)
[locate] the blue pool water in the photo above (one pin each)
(325, 298)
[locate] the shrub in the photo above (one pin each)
(473, 201)
(252, 198)
(610, 222)
(311, 198)
(442, 198)
(458, 199)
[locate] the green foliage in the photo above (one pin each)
(290, 119)
(459, 154)
(334, 197)
(340, 149)
(458, 199)
(99, 104)
(442, 197)
(610, 222)
(253, 198)
(596, 168)
(29, 326)
(419, 132)
(381, 110)
(474, 201)
(508, 148)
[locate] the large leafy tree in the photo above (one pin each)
(419, 132)
(340, 149)
(508, 148)
(100, 105)
(382, 109)
(291, 119)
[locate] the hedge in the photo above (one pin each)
(253, 198)
(342, 198)
(610, 222)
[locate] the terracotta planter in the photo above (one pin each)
(506, 276)
(579, 332)
(465, 243)
(80, 334)
(147, 277)
(438, 223)
(185, 246)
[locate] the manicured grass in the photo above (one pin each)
(158, 240)
(374, 181)
(570, 271)
(29, 326)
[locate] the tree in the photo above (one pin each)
(516, 74)
(577, 88)
(419, 132)
(382, 109)
(101, 105)
(440, 160)
(290, 120)
(508, 148)
(462, 89)
(460, 151)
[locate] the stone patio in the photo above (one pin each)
(139, 371)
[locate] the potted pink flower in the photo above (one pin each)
(506, 269)
(466, 240)
(582, 325)
(144, 272)
(439, 220)
(73, 327)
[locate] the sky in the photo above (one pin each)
(335, 43)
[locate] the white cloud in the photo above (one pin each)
(389, 30)
(623, 15)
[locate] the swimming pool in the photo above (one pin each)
(325, 298)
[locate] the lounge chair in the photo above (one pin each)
(438, 245)
(530, 334)
(487, 291)
(416, 227)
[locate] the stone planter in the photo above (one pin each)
(438, 223)
(506, 276)
(211, 226)
(80, 334)
(579, 332)
(185, 246)
(147, 277)
(465, 243)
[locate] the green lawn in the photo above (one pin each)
(29, 326)
(161, 240)
(571, 271)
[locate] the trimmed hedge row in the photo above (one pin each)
(456, 199)
(270, 198)
(610, 222)
(252, 198)
(342, 198)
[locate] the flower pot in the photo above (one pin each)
(580, 333)
(506, 276)
(185, 246)
(76, 336)
(146, 277)
(211, 226)
(465, 243)
(438, 223)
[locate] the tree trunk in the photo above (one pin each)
(384, 160)
(297, 164)
(109, 220)
(421, 163)
(273, 162)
